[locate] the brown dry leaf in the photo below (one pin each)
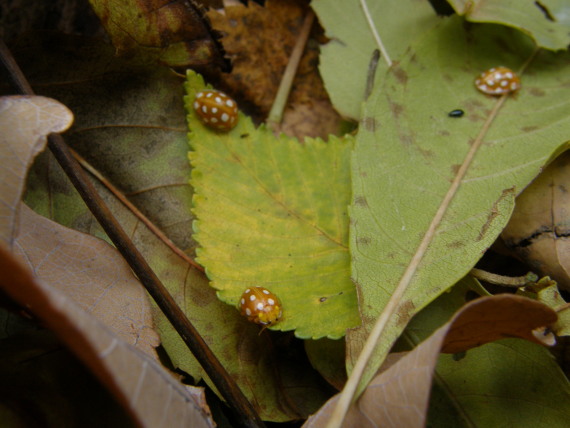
(174, 32)
(152, 396)
(24, 123)
(259, 41)
(399, 396)
(91, 273)
(87, 269)
(539, 229)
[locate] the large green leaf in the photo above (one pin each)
(273, 212)
(545, 23)
(431, 192)
(345, 59)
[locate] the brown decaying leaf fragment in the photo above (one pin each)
(151, 395)
(24, 124)
(92, 273)
(174, 32)
(259, 41)
(399, 395)
(539, 229)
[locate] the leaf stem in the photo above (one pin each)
(383, 51)
(507, 281)
(276, 114)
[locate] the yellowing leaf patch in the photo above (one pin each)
(273, 212)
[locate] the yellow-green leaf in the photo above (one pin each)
(273, 212)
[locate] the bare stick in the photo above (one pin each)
(506, 281)
(131, 207)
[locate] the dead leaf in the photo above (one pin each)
(25, 121)
(152, 396)
(539, 229)
(91, 273)
(259, 41)
(174, 32)
(399, 396)
(87, 269)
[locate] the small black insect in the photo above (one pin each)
(456, 113)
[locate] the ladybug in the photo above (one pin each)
(260, 306)
(216, 109)
(498, 81)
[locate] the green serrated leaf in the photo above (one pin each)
(273, 212)
(345, 59)
(431, 192)
(536, 19)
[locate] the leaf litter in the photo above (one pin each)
(475, 114)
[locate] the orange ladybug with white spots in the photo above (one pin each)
(216, 109)
(260, 306)
(498, 81)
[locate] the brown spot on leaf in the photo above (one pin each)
(397, 109)
(364, 240)
(361, 201)
(401, 75)
(529, 128)
(537, 92)
(456, 244)
(494, 213)
(444, 133)
(405, 312)
(455, 169)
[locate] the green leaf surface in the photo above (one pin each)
(431, 192)
(130, 124)
(546, 24)
(511, 382)
(273, 212)
(345, 59)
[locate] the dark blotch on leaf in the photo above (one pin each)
(364, 240)
(323, 299)
(459, 356)
(401, 75)
(361, 200)
(397, 109)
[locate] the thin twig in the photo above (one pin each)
(276, 113)
(372, 26)
(247, 415)
(131, 207)
(506, 281)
